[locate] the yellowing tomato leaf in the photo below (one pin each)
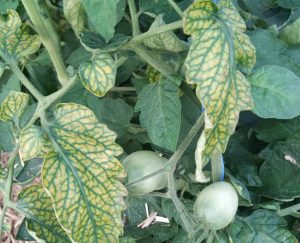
(199, 17)
(207, 62)
(232, 18)
(98, 75)
(13, 106)
(41, 220)
(15, 40)
(164, 41)
(75, 14)
(224, 120)
(81, 175)
(32, 140)
(245, 52)
(210, 64)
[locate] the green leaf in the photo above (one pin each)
(13, 106)
(12, 84)
(267, 46)
(7, 139)
(32, 141)
(272, 130)
(15, 40)
(275, 92)
(199, 16)
(244, 168)
(288, 3)
(260, 226)
(75, 14)
(94, 41)
(160, 113)
(280, 173)
(258, 6)
(41, 220)
(291, 33)
(99, 74)
(30, 171)
(116, 113)
(166, 41)
(104, 15)
(78, 56)
(8, 4)
(81, 175)
(23, 233)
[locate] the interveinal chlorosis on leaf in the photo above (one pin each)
(130, 77)
(98, 75)
(15, 40)
(13, 106)
(211, 65)
(81, 175)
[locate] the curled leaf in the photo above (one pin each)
(15, 40)
(98, 75)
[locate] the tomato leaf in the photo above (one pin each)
(13, 106)
(283, 159)
(160, 113)
(273, 130)
(223, 91)
(41, 220)
(275, 91)
(99, 74)
(32, 141)
(75, 14)
(15, 41)
(166, 41)
(81, 175)
(104, 15)
(260, 226)
(290, 33)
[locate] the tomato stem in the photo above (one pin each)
(48, 35)
(8, 185)
(176, 8)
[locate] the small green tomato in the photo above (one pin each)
(216, 205)
(140, 164)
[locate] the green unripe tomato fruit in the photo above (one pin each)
(216, 205)
(140, 164)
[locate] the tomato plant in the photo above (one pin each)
(149, 120)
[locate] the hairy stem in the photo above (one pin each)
(44, 27)
(49, 100)
(176, 8)
(8, 185)
(23, 79)
(151, 59)
(134, 18)
(289, 210)
(158, 30)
